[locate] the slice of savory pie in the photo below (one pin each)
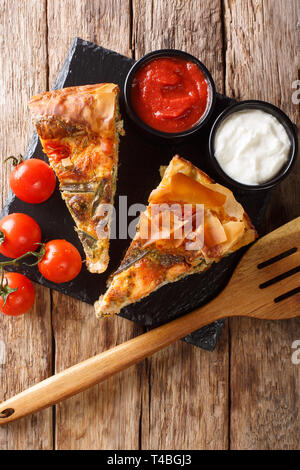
(190, 223)
(79, 129)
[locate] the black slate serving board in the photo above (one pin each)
(140, 159)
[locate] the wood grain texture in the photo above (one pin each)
(179, 398)
(106, 23)
(184, 404)
(107, 416)
(25, 341)
(190, 25)
(262, 61)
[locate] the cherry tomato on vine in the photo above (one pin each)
(61, 261)
(32, 180)
(19, 233)
(17, 294)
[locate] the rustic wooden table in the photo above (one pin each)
(244, 395)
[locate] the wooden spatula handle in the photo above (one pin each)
(100, 367)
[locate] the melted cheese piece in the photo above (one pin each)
(183, 181)
(185, 189)
(164, 223)
(214, 232)
(234, 232)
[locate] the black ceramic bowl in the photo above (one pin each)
(282, 118)
(168, 53)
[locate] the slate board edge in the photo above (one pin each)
(208, 335)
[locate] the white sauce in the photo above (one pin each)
(251, 146)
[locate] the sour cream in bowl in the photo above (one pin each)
(253, 145)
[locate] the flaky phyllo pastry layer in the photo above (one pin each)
(79, 129)
(161, 253)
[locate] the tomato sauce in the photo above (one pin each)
(170, 94)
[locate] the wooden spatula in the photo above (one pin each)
(265, 284)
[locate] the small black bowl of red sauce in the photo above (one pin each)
(169, 94)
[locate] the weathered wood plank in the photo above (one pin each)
(262, 62)
(106, 23)
(25, 359)
(185, 403)
(192, 26)
(25, 342)
(107, 416)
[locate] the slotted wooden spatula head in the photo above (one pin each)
(266, 282)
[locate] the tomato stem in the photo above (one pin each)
(37, 254)
(15, 160)
(5, 290)
(2, 237)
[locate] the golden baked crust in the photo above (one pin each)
(91, 107)
(79, 129)
(152, 262)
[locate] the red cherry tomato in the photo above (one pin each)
(21, 234)
(32, 181)
(61, 262)
(22, 299)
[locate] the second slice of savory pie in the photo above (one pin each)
(190, 223)
(79, 129)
